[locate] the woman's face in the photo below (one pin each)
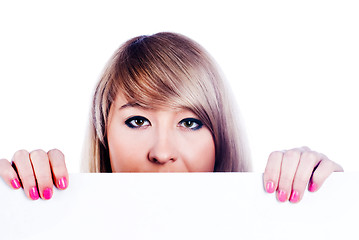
(157, 140)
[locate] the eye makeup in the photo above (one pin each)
(187, 123)
(137, 122)
(191, 123)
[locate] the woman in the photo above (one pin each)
(162, 106)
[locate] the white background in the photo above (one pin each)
(170, 206)
(292, 65)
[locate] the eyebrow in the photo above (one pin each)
(138, 105)
(131, 104)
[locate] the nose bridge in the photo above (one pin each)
(163, 148)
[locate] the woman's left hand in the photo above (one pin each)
(288, 172)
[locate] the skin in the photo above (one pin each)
(45, 168)
(153, 146)
(290, 171)
(158, 140)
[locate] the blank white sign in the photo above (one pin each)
(180, 206)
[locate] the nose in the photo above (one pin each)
(163, 149)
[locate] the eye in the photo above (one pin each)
(137, 122)
(191, 123)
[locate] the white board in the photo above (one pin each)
(180, 206)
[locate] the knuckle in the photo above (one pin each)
(20, 155)
(38, 154)
(310, 156)
(56, 153)
(293, 153)
(4, 169)
(270, 170)
(3, 161)
(276, 154)
(57, 159)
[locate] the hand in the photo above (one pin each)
(289, 172)
(36, 172)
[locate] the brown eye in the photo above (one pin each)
(188, 124)
(191, 123)
(137, 122)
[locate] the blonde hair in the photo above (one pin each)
(167, 70)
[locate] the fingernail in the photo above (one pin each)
(270, 187)
(294, 197)
(15, 183)
(313, 187)
(282, 196)
(34, 193)
(62, 183)
(47, 193)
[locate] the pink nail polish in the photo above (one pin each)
(62, 183)
(270, 187)
(47, 193)
(282, 196)
(294, 197)
(15, 183)
(34, 194)
(313, 187)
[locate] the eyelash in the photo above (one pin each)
(198, 123)
(132, 122)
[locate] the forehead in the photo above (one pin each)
(121, 102)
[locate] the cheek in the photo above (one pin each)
(124, 150)
(199, 152)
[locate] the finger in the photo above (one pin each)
(21, 159)
(41, 166)
(307, 163)
(7, 172)
(322, 172)
(305, 149)
(272, 171)
(58, 167)
(287, 172)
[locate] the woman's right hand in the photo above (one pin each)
(36, 172)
